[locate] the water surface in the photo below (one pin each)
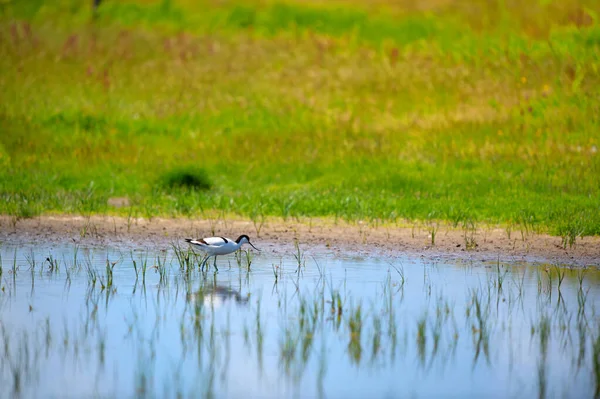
(85, 322)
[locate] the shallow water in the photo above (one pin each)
(331, 327)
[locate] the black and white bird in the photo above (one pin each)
(214, 246)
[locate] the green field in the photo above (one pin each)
(479, 112)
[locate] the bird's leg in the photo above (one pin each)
(204, 262)
(215, 263)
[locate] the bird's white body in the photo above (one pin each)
(214, 246)
(217, 245)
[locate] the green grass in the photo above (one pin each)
(487, 113)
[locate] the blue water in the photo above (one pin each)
(242, 333)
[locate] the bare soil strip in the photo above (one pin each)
(314, 236)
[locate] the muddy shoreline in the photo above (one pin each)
(314, 236)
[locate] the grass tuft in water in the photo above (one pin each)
(299, 256)
(422, 338)
(543, 331)
(355, 326)
(596, 363)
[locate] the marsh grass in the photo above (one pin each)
(520, 283)
(185, 257)
(479, 112)
(422, 339)
(596, 363)
(106, 281)
(258, 218)
(92, 274)
(355, 327)
(299, 256)
(543, 330)
(161, 269)
(433, 229)
(142, 267)
(276, 272)
(500, 275)
(400, 271)
(560, 274)
(480, 328)
(244, 259)
(248, 258)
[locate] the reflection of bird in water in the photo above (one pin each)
(214, 246)
(216, 296)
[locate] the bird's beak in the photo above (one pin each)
(253, 246)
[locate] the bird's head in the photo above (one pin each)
(244, 239)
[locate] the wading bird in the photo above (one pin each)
(214, 246)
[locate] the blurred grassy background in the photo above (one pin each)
(446, 110)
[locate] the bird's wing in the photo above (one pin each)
(199, 241)
(215, 241)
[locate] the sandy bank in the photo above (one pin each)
(315, 235)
